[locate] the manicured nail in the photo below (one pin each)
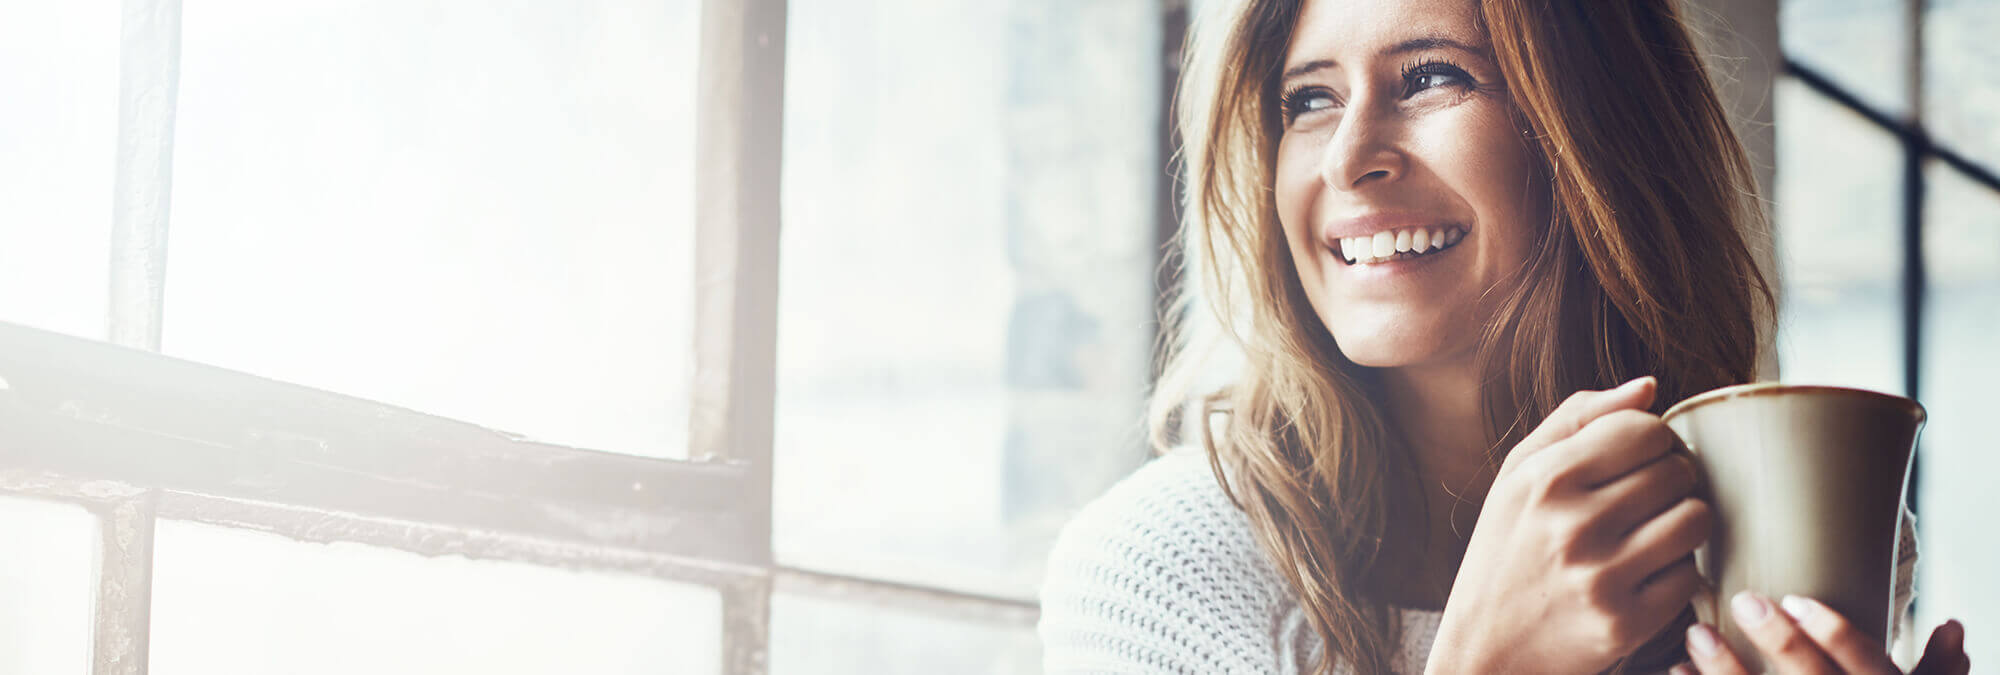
(1635, 383)
(1750, 609)
(1798, 607)
(1701, 639)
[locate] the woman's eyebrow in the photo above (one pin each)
(1418, 44)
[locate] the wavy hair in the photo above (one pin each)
(1644, 268)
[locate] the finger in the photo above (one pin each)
(1839, 639)
(1710, 654)
(1665, 540)
(1609, 447)
(1945, 654)
(1667, 592)
(1582, 407)
(1786, 649)
(1630, 500)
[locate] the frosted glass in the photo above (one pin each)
(48, 580)
(1839, 210)
(1861, 45)
(969, 245)
(817, 636)
(1961, 89)
(234, 602)
(58, 132)
(482, 211)
(1956, 500)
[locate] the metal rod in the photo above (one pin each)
(123, 613)
(1915, 276)
(89, 410)
(746, 627)
(148, 85)
(313, 525)
(739, 127)
(1905, 132)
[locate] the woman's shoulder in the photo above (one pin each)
(1162, 570)
(1170, 506)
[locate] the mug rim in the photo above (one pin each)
(1764, 388)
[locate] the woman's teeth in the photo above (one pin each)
(1399, 244)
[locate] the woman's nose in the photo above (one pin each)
(1363, 151)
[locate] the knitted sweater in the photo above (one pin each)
(1162, 575)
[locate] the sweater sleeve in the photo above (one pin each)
(1153, 577)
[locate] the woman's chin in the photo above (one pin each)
(1394, 353)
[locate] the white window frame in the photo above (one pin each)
(134, 436)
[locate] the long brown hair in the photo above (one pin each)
(1643, 269)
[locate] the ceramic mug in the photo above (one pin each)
(1807, 487)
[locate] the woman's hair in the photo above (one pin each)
(1643, 269)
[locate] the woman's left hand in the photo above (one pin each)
(1807, 637)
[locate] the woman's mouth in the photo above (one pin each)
(1404, 244)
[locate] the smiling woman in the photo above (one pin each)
(1591, 200)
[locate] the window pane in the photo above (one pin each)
(1955, 493)
(58, 134)
(48, 582)
(1839, 209)
(1961, 90)
(967, 274)
(234, 602)
(1862, 45)
(816, 636)
(479, 211)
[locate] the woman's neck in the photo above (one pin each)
(1435, 410)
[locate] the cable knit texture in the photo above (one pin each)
(1162, 575)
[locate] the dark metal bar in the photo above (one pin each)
(1905, 132)
(924, 599)
(124, 606)
(148, 82)
(1915, 276)
(90, 410)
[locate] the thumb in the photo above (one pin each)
(1945, 654)
(1584, 406)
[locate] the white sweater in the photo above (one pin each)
(1162, 575)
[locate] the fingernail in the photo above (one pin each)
(1750, 609)
(1682, 669)
(1798, 607)
(1955, 635)
(1635, 383)
(1701, 639)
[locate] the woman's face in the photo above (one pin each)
(1404, 187)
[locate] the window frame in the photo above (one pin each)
(134, 436)
(1919, 149)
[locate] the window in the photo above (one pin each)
(1889, 233)
(411, 327)
(485, 313)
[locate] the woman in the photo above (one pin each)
(1468, 249)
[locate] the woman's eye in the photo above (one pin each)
(1307, 101)
(1434, 76)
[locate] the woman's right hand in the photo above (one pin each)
(1582, 548)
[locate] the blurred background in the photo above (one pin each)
(886, 271)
